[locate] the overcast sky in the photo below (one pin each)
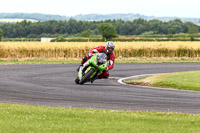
(179, 8)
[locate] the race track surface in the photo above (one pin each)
(53, 85)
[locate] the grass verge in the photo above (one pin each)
(26, 118)
(41, 62)
(118, 60)
(182, 80)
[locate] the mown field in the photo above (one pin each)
(79, 49)
(26, 118)
(181, 80)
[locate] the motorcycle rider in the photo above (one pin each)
(108, 50)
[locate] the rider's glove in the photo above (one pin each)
(84, 58)
(94, 51)
(107, 68)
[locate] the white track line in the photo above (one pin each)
(142, 75)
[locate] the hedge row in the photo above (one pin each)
(98, 40)
(21, 39)
(129, 40)
(171, 36)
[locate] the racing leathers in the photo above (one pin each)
(110, 58)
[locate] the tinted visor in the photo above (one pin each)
(109, 50)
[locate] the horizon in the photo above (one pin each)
(98, 14)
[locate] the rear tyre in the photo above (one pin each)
(87, 76)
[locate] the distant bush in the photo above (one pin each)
(97, 40)
(59, 39)
(77, 40)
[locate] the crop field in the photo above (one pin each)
(80, 49)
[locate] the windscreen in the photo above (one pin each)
(102, 58)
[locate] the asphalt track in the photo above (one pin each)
(53, 85)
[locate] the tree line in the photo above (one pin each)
(74, 27)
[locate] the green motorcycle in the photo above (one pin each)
(92, 69)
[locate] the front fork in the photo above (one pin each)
(81, 72)
(81, 69)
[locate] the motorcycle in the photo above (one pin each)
(91, 69)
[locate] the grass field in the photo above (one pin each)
(117, 60)
(183, 80)
(18, 50)
(26, 118)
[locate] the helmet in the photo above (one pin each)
(110, 46)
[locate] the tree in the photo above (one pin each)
(1, 34)
(107, 30)
(192, 31)
(170, 32)
(74, 27)
(86, 33)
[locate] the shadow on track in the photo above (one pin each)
(96, 84)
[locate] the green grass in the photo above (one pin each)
(26, 118)
(120, 60)
(182, 80)
(40, 62)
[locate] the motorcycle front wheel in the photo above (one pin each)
(86, 76)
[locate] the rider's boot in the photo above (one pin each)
(84, 59)
(79, 67)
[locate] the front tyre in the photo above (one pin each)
(87, 76)
(77, 80)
